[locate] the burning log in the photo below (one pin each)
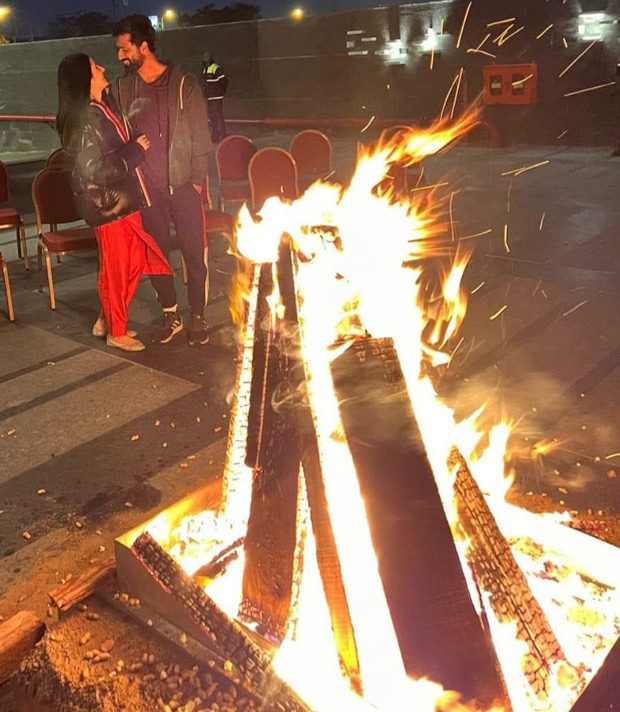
(273, 455)
(248, 659)
(499, 575)
(219, 563)
(237, 432)
(327, 555)
(439, 631)
(18, 635)
(69, 594)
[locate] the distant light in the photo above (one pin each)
(430, 42)
(298, 13)
(590, 25)
(395, 51)
(4, 11)
(170, 14)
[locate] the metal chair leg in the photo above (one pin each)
(7, 289)
(50, 277)
(183, 270)
(22, 237)
(19, 246)
(39, 267)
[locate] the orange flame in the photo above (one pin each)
(362, 268)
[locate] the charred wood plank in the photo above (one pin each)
(439, 631)
(69, 594)
(499, 576)
(250, 662)
(244, 285)
(273, 455)
(327, 554)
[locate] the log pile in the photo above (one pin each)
(250, 662)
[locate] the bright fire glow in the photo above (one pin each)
(366, 277)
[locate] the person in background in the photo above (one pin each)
(109, 192)
(166, 104)
(215, 84)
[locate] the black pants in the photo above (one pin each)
(184, 208)
(215, 109)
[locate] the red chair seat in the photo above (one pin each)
(9, 217)
(218, 221)
(235, 190)
(80, 238)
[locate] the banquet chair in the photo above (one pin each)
(11, 218)
(54, 206)
(57, 159)
(7, 288)
(272, 172)
(232, 157)
(312, 151)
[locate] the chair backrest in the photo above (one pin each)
(272, 171)
(232, 157)
(391, 131)
(57, 159)
(312, 151)
(53, 198)
(5, 193)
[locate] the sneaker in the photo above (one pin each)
(171, 326)
(197, 332)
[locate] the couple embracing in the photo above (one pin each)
(138, 152)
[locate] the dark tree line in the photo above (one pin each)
(88, 24)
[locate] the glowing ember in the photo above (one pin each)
(365, 264)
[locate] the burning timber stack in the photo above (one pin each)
(362, 556)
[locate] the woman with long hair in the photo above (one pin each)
(109, 192)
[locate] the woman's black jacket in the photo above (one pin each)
(105, 182)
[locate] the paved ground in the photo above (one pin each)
(100, 430)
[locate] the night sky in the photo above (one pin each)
(42, 11)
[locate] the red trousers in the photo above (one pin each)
(126, 252)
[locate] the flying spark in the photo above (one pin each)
(458, 44)
(501, 311)
(577, 58)
(598, 86)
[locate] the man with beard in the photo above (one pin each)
(166, 105)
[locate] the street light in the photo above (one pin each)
(4, 13)
(297, 13)
(169, 15)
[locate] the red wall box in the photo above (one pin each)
(514, 84)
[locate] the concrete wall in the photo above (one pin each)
(345, 64)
